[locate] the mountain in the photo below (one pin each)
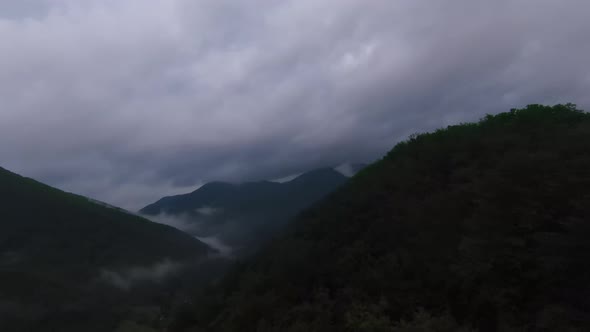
(244, 215)
(62, 256)
(476, 227)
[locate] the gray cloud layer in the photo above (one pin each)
(128, 100)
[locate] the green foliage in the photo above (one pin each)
(480, 226)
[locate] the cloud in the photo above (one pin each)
(347, 169)
(207, 211)
(203, 231)
(287, 178)
(23, 9)
(185, 223)
(128, 101)
(214, 242)
(127, 278)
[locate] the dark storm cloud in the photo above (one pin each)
(127, 101)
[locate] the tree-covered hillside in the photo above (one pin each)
(61, 257)
(247, 214)
(480, 226)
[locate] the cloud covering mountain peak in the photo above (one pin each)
(126, 101)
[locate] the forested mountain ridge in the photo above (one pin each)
(30, 207)
(224, 193)
(477, 227)
(61, 255)
(246, 214)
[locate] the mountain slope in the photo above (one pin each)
(243, 215)
(480, 226)
(56, 248)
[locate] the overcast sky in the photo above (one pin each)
(130, 100)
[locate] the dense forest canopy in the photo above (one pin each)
(479, 226)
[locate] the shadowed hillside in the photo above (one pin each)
(245, 215)
(63, 258)
(480, 226)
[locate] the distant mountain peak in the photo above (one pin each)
(347, 169)
(317, 174)
(245, 214)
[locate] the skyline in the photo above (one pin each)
(126, 103)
